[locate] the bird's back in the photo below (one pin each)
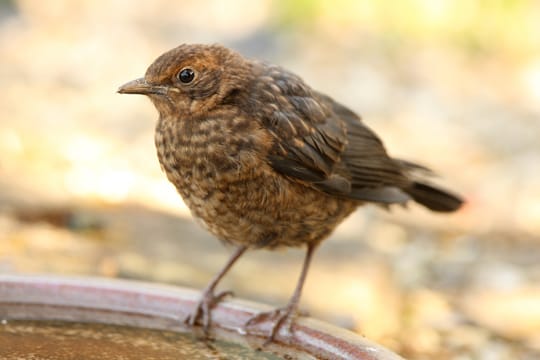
(323, 144)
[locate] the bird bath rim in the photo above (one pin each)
(156, 306)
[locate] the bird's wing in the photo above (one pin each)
(365, 157)
(322, 143)
(312, 154)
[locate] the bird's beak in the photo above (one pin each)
(140, 86)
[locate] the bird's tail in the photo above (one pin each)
(434, 198)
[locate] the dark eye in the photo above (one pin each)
(185, 75)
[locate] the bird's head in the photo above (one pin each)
(191, 79)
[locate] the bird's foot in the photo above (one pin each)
(203, 309)
(280, 318)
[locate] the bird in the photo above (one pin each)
(264, 161)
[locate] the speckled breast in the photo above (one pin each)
(218, 164)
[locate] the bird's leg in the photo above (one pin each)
(285, 316)
(208, 298)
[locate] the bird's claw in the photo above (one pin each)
(282, 317)
(204, 308)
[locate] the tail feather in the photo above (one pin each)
(434, 198)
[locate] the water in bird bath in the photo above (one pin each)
(60, 340)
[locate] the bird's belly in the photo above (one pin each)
(262, 209)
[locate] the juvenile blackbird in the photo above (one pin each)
(265, 161)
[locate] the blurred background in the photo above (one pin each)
(454, 85)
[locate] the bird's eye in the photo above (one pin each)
(186, 75)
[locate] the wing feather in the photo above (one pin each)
(324, 144)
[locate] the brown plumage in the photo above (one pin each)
(265, 161)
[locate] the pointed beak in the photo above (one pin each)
(140, 86)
